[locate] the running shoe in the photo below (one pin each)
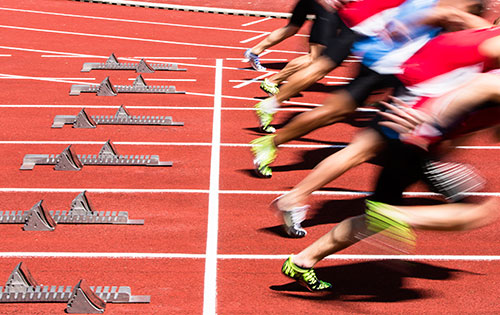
(265, 153)
(380, 219)
(265, 118)
(452, 180)
(270, 88)
(254, 60)
(292, 219)
(306, 277)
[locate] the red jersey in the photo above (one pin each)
(355, 12)
(447, 54)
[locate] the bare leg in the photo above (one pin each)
(448, 217)
(298, 63)
(340, 237)
(335, 108)
(364, 146)
(301, 80)
(274, 38)
(485, 87)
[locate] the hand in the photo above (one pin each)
(402, 118)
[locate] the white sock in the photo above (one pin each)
(270, 105)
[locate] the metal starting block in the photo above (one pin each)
(68, 160)
(108, 89)
(141, 67)
(81, 212)
(122, 117)
(22, 287)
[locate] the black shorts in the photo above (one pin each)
(339, 40)
(368, 81)
(300, 12)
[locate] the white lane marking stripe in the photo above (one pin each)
(253, 38)
(226, 192)
(472, 258)
(149, 40)
(210, 288)
(133, 21)
(258, 21)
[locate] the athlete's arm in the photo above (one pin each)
(454, 19)
(333, 5)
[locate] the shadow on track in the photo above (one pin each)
(372, 281)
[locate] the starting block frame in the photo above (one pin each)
(142, 67)
(21, 287)
(108, 89)
(68, 160)
(81, 212)
(122, 117)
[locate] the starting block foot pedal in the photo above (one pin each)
(20, 279)
(39, 219)
(108, 89)
(69, 161)
(142, 67)
(84, 301)
(122, 117)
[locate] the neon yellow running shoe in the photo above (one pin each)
(265, 117)
(380, 219)
(265, 153)
(270, 88)
(306, 277)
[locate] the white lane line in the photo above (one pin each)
(132, 21)
(258, 21)
(5, 55)
(206, 144)
(340, 257)
(79, 55)
(247, 82)
(56, 79)
(173, 80)
(261, 59)
(210, 287)
(138, 39)
(23, 77)
(253, 38)
(225, 192)
(166, 58)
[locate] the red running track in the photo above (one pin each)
(41, 55)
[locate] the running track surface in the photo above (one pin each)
(209, 243)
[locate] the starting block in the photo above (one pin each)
(141, 67)
(21, 287)
(122, 117)
(108, 89)
(68, 160)
(81, 212)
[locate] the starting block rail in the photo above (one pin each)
(68, 160)
(81, 212)
(108, 89)
(21, 287)
(122, 117)
(142, 67)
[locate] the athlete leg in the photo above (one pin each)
(364, 146)
(335, 108)
(298, 64)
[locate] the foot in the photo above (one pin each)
(292, 219)
(265, 117)
(270, 88)
(265, 153)
(306, 277)
(254, 60)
